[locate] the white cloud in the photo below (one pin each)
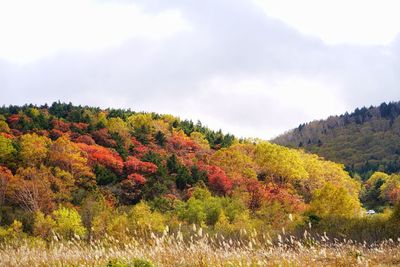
(264, 107)
(363, 22)
(224, 62)
(31, 30)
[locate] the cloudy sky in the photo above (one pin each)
(251, 67)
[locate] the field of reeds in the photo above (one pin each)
(201, 249)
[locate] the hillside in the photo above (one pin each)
(116, 182)
(366, 140)
(67, 156)
(131, 180)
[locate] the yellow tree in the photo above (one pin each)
(68, 157)
(376, 180)
(334, 202)
(4, 127)
(137, 121)
(200, 139)
(33, 149)
(6, 148)
(235, 162)
(119, 126)
(68, 223)
(321, 171)
(280, 164)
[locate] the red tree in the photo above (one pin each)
(61, 125)
(137, 178)
(217, 179)
(86, 139)
(104, 156)
(103, 138)
(133, 165)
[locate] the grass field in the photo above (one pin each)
(202, 250)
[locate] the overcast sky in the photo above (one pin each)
(252, 68)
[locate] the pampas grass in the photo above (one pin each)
(203, 249)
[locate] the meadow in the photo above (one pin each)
(201, 249)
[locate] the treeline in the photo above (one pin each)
(84, 114)
(68, 171)
(366, 140)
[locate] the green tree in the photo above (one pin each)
(141, 218)
(68, 223)
(6, 148)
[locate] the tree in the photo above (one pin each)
(200, 139)
(101, 155)
(195, 212)
(390, 190)
(117, 126)
(86, 139)
(44, 225)
(252, 192)
(4, 127)
(141, 218)
(103, 138)
(6, 178)
(68, 223)
(281, 164)
(160, 138)
(181, 145)
(139, 121)
(320, 172)
(91, 207)
(372, 195)
(183, 178)
(33, 149)
(67, 156)
(6, 148)
(62, 184)
(133, 164)
(104, 176)
(234, 162)
(334, 202)
(31, 189)
(130, 191)
(217, 180)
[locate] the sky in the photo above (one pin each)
(254, 68)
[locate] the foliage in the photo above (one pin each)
(6, 148)
(331, 201)
(366, 140)
(141, 218)
(33, 149)
(68, 223)
(278, 163)
(75, 172)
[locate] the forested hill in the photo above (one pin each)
(119, 167)
(366, 140)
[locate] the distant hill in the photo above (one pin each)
(365, 140)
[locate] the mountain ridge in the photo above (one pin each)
(365, 140)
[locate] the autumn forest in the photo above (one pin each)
(92, 176)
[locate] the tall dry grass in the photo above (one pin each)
(200, 249)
